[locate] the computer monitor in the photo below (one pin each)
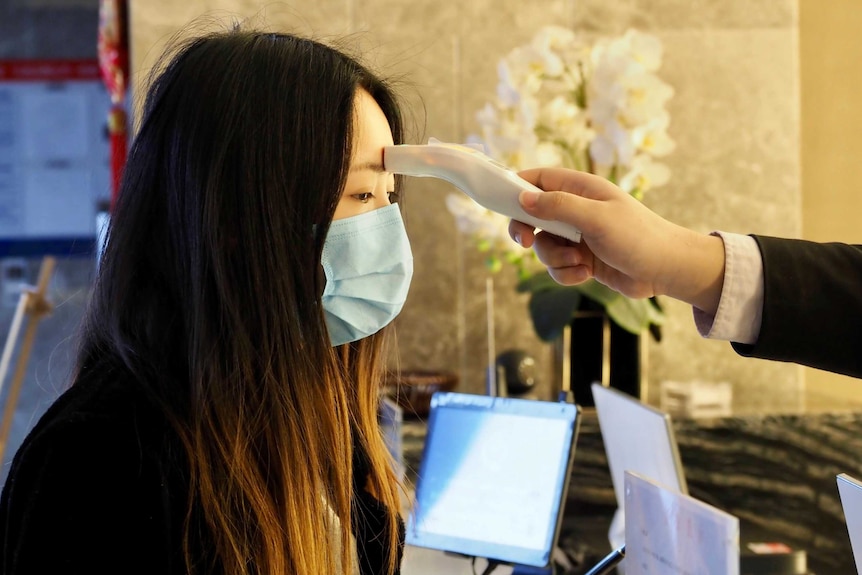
(493, 477)
(850, 491)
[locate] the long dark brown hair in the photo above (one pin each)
(209, 295)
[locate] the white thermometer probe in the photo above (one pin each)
(487, 181)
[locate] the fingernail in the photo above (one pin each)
(528, 198)
(518, 238)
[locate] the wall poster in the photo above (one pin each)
(54, 156)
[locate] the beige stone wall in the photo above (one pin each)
(829, 48)
(735, 117)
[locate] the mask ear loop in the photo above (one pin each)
(318, 237)
(321, 283)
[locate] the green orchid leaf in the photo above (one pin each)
(599, 293)
(630, 314)
(658, 316)
(493, 264)
(552, 309)
(552, 306)
(656, 313)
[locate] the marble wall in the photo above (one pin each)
(735, 118)
(829, 44)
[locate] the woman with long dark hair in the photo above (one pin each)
(222, 417)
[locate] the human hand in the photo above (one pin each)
(624, 245)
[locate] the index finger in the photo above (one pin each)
(564, 180)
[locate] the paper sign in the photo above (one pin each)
(668, 533)
(850, 491)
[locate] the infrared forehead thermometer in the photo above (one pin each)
(488, 182)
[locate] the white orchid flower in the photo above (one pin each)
(554, 39)
(646, 97)
(472, 218)
(529, 66)
(561, 114)
(508, 93)
(645, 174)
(546, 154)
(612, 145)
(561, 101)
(644, 48)
(652, 138)
(484, 225)
(487, 116)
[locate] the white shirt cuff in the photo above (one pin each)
(741, 305)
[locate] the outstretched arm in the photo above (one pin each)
(812, 292)
(812, 305)
(624, 245)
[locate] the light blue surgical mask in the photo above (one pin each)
(368, 266)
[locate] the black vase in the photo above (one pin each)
(595, 349)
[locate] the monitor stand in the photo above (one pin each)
(530, 570)
(558, 557)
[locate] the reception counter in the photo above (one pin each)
(776, 473)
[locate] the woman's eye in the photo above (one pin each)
(364, 197)
(394, 196)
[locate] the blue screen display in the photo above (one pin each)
(493, 477)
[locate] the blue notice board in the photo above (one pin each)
(54, 156)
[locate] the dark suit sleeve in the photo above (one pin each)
(812, 305)
(82, 498)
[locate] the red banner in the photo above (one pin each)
(113, 50)
(48, 70)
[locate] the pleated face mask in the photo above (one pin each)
(368, 266)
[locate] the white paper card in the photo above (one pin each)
(850, 492)
(668, 533)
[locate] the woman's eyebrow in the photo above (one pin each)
(374, 166)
